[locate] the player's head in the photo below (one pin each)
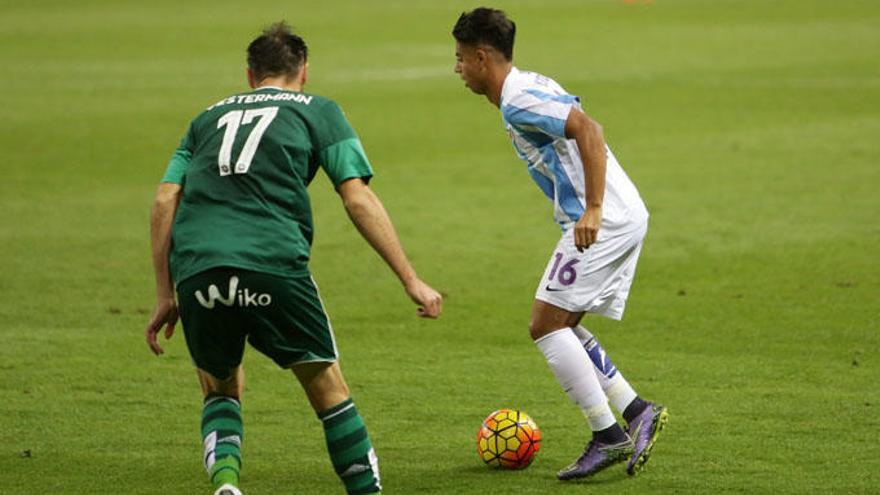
(483, 39)
(277, 53)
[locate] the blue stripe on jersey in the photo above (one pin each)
(536, 139)
(564, 98)
(543, 182)
(567, 197)
(521, 116)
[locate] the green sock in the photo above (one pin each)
(222, 432)
(350, 449)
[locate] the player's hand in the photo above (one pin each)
(430, 301)
(586, 230)
(165, 314)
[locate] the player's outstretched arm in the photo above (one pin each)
(587, 133)
(369, 216)
(162, 217)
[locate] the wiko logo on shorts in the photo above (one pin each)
(243, 298)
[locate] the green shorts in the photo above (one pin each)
(281, 317)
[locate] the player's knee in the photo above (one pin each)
(230, 386)
(537, 330)
(540, 328)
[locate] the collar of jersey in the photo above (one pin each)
(269, 87)
(508, 83)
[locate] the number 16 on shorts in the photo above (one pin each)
(561, 272)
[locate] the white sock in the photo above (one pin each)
(571, 365)
(620, 393)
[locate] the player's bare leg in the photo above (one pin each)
(349, 445)
(222, 429)
(547, 318)
(233, 386)
(323, 384)
(551, 328)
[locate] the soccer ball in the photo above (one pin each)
(508, 439)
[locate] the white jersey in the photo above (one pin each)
(534, 109)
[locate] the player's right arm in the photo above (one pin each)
(164, 209)
(369, 216)
(161, 218)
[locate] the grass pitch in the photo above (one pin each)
(750, 128)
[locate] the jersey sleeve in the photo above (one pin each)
(536, 111)
(176, 170)
(340, 152)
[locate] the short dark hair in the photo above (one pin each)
(276, 52)
(485, 26)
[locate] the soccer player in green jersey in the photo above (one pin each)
(232, 228)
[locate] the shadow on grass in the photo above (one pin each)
(609, 477)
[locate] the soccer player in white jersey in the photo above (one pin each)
(603, 220)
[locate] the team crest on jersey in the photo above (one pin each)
(234, 296)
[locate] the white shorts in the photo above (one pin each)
(595, 281)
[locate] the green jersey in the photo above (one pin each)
(244, 165)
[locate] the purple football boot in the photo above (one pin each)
(644, 430)
(597, 457)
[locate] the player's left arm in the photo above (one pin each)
(372, 221)
(590, 140)
(161, 219)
